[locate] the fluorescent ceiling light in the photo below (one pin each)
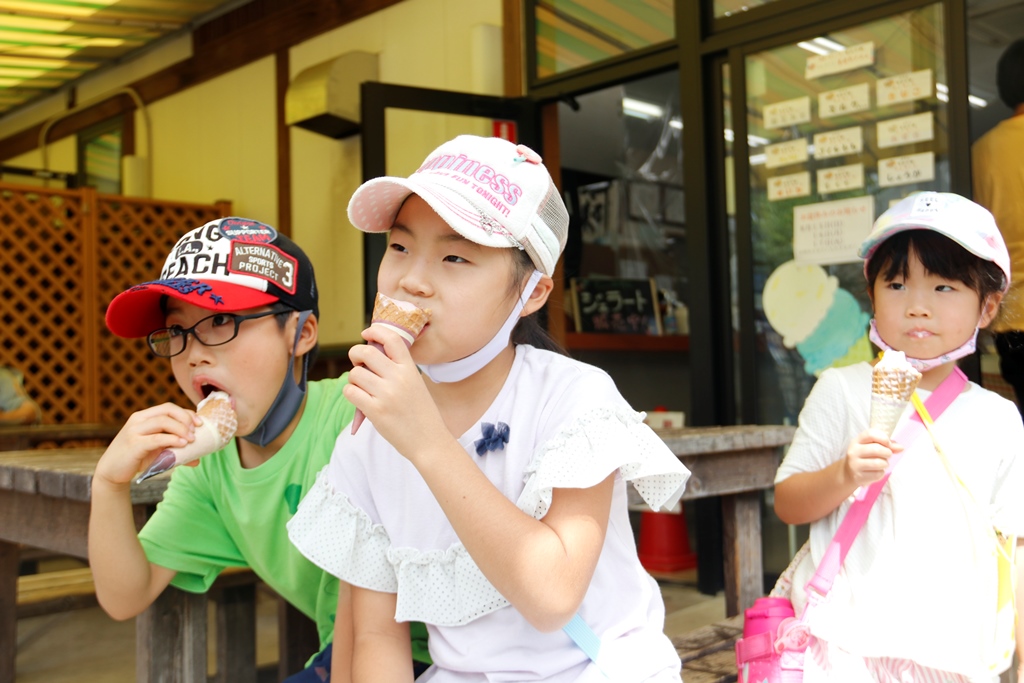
(811, 47)
(830, 44)
(22, 73)
(65, 9)
(676, 123)
(942, 94)
(752, 140)
(32, 61)
(641, 109)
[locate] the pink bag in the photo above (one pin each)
(774, 640)
(757, 659)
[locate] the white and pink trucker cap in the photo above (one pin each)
(968, 224)
(489, 190)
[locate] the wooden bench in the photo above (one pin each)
(66, 589)
(708, 653)
(26, 437)
(55, 591)
(234, 593)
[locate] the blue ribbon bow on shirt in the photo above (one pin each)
(495, 437)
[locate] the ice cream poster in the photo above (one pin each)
(822, 321)
(831, 232)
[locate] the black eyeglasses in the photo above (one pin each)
(214, 330)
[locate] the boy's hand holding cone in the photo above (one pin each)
(218, 428)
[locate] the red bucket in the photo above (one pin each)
(665, 542)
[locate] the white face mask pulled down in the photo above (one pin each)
(926, 364)
(458, 370)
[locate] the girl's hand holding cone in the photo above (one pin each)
(405, 319)
(893, 382)
(390, 388)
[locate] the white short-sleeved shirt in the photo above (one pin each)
(919, 581)
(372, 521)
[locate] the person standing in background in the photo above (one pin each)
(16, 406)
(998, 167)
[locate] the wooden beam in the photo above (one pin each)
(284, 147)
(512, 47)
(251, 32)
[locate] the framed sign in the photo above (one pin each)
(615, 305)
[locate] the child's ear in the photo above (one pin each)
(539, 296)
(308, 336)
(989, 308)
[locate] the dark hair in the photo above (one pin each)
(940, 256)
(1010, 74)
(529, 330)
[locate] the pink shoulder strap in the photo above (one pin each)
(852, 523)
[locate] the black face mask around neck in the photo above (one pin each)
(288, 398)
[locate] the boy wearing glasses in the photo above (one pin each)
(234, 310)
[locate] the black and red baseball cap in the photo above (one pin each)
(229, 264)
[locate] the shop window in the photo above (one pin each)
(625, 263)
(839, 127)
(99, 156)
(570, 34)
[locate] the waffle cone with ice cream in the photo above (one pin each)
(216, 431)
(407, 319)
(893, 381)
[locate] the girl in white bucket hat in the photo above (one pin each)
(918, 596)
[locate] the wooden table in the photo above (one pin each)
(736, 463)
(24, 437)
(44, 503)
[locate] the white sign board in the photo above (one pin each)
(788, 113)
(789, 186)
(906, 129)
(837, 143)
(840, 178)
(851, 58)
(913, 85)
(912, 168)
(831, 232)
(844, 100)
(785, 153)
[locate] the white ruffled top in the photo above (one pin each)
(371, 520)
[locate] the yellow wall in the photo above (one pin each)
(218, 140)
(426, 43)
(61, 155)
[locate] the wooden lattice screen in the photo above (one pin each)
(64, 254)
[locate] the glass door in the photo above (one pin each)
(626, 290)
(840, 125)
(825, 128)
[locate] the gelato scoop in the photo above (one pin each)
(401, 316)
(893, 381)
(218, 428)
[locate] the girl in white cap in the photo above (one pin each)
(916, 598)
(486, 494)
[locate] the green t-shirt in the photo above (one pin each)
(219, 515)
